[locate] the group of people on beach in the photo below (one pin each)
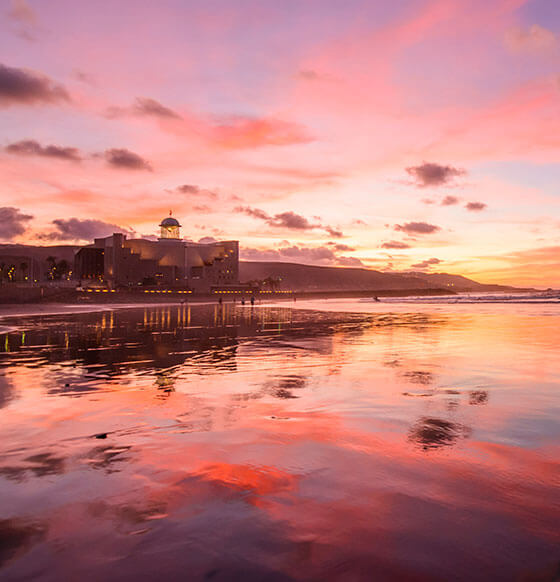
(220, 300)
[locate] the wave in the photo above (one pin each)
(538, 298)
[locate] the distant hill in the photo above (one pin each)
(457, 282)
(59, 252)
(314, 278)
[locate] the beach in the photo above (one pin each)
(333, 439)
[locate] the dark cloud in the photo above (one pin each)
(30, 147)
(123, 158)
(207, 240)
(359, 222)
(449, 201)
(475, 206)
(147, 106)
(300, 254)
(188, 189)
(341, 247)
(291, 220)
(292, 253)
(12, 222)
(417, 228)
(314, 254)
(82, 229)
(335, 233)
(19, 86)
(143, 107)
(427, 263)
(394, 244)
(191, 189)
(252, 212)
(288, 219)
(430, 174)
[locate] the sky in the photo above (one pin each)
(415, 135)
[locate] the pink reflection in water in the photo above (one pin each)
(229, 443)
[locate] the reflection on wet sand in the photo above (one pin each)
(432, 433)
(17, 537)
(271, 443)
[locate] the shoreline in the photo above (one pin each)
(76, 302)
(309, 301)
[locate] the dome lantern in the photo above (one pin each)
(170, 228)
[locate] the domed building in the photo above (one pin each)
(168, 261)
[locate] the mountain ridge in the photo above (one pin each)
(299, 277)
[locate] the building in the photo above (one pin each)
(169, 261)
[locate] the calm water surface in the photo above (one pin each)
(338, 440)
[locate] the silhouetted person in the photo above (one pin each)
(252, 300)
(242, 300)
(220, 300)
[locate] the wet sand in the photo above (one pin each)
(321, 441)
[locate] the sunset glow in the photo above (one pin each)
(408, 135)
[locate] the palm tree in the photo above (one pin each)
(23, 268)
(271, 282)
(62, 268)
(51, 273)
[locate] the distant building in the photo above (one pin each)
(169, 261)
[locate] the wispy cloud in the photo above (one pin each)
(322, 255)
(81, 229)
(289, 220)
(143, 107)
(30, 147)
(193, 190)
(417, 228)
(475, 206)
(394, 244)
